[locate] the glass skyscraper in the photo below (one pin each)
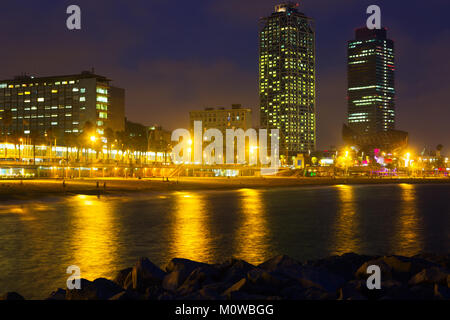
(287, 79)
(371, 90)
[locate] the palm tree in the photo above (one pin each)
(85, 137)
(34, 138)
(50, 137)
(122, 141)
(70, 142)
(110, 137)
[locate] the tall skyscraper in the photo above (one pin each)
(371, 90)
(287, 78)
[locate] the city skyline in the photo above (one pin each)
(150, 86)
(224, 158)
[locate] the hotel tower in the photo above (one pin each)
(287, 78)
(371, 91)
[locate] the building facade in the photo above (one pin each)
(371, 82)
(287, 78)
(235, 117)
(159, 140)
(61, 104)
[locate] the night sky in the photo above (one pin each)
(177, 56)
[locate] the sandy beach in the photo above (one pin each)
(30, 189)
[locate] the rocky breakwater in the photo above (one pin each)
(334, 278)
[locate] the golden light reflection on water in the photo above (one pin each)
(252, 241)
(95, 237)
(191, 238)
(346, 237)
(24, 212)
(407, 240)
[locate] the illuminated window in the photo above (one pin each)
(102, 99)
(102, 91)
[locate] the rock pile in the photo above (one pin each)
(334, 278)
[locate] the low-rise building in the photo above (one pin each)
(235, 117)
(61, 104)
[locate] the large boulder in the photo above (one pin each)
(434, 275)
(241, 285)
(128, 282)
(395, 267)
(315, 293)
(146, 274)
(59, 294)
(99, 289)
(307, 276)
(260, 282)
(198, 278)
(441, 292)
(344, 266)
(386, 272)
(391, 290)
(320, 278)
(293, 292)
(281, 263)
(267, 283)
(177, 272)
(11, 296)
(233, 270)
(440, 260)
(183, 264)
(352, 290)
(212, 291)
(121, 276)
(208, 292)
(153, 292)
(403, 268)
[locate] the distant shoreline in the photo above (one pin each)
(35, 188)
